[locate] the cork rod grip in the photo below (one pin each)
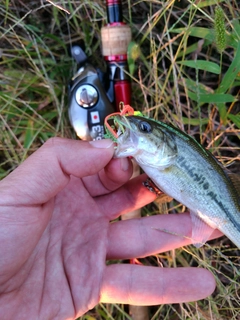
(115, 39)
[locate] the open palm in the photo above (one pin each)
(56, 235)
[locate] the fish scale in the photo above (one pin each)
(184, 170)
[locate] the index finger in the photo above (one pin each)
(116, 173)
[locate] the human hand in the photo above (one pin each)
(55, 236)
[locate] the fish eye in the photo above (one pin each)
(145, 127)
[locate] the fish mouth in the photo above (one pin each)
(116, 126)
(122, 125)
(126, 140)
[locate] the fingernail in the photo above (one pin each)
(124, 164)
(102, 144)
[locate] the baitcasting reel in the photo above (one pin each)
(89, 103)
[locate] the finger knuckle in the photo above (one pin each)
(53, 142)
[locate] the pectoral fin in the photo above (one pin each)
(201, 231)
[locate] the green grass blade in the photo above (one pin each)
(202, 65)
(207, 3)
(193, 121)
(28, 135)
(197, 87)
(222, 112)
(199, 32)
(231, 74)
(235, 119)
(211, 97)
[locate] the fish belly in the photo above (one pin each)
(201, 201)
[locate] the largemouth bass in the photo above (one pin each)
(184, 170)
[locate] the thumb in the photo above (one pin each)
(48, 170)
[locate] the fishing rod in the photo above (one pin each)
(115, 37)
(91, 99)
